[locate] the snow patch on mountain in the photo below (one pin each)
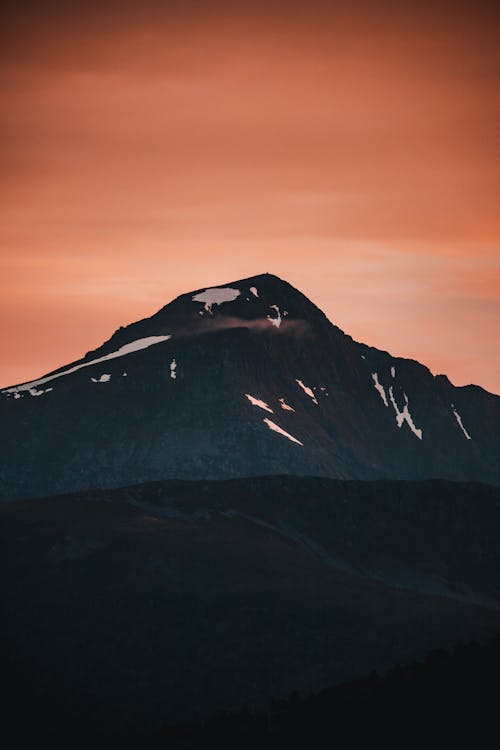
(273, 426)
(285, 406)
(216, 296)
(35, 392)
(258, 402)
(173, 367)
(380, 388)
(275, 321)
(254, 291)
(460, 423)
(393, 372)
(404, 416)
(307, 390)
(105, 378)
(132, 346)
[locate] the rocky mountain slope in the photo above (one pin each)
(245, 379)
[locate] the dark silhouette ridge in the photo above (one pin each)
(168, 602)
(247, 379)
(449, 697)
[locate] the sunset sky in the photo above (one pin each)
(151, 148)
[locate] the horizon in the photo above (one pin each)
(156, 149)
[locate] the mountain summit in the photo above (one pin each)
(244, 379)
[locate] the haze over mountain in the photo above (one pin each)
(248, 378)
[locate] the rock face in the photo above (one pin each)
(245, 379)
(170, 601)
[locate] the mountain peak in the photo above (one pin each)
(266, 281)
(263, 297)
(265, 277)
(241, 379)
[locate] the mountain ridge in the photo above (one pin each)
(246, 280)
(245, 378)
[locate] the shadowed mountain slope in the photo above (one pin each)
(246, 379)
(169, 601)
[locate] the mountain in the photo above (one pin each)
(245, 379)
(169, 601)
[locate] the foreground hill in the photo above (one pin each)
(172, 600)
(246, 379)
(445, 699)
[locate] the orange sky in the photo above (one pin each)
(152, 148)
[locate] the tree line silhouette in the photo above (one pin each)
(447, 698)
